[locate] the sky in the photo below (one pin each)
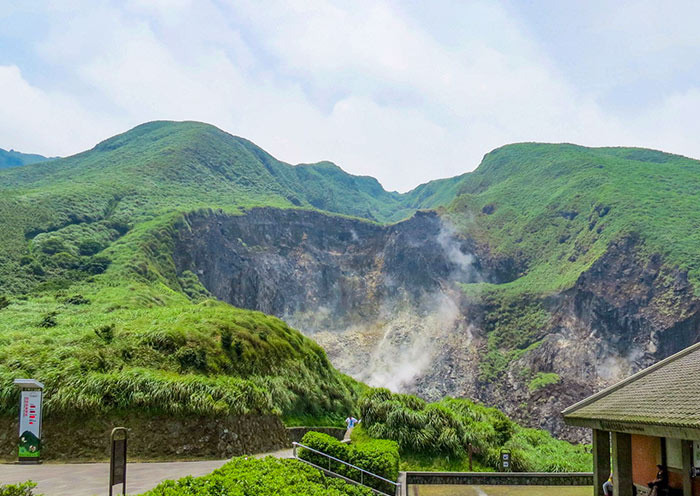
(403, 91)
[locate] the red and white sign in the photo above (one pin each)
(30, 414)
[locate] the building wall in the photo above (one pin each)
(646, 453)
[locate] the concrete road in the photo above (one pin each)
(87, 479)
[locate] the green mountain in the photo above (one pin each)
(555, 209)
(15, 159)
(87, 271)
(582, 256)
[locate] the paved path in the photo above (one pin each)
(87, 479)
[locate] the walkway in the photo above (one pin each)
(87, 479)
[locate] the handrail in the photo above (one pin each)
(362, 471)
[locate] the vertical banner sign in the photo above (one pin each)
(30, 425)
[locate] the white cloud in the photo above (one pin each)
(33, 120)
(365, 84)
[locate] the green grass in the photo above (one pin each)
(543, 379)
(436, 436)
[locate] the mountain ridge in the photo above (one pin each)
(566, 255)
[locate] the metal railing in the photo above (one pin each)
(397, 485)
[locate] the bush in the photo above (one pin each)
(77, 299)
(447, 428)
(65, 260)
(89, 247)
(245, 476)
(105, 333)
(36, 268)
(52, 246)
(23, 489)
(49, 320)
(96, 265)
(380, 457)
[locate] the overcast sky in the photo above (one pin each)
(403, 91)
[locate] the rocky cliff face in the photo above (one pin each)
(380, 299)
(386, 304)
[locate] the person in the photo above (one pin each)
(661, 481)
(348, 422)
(608, 486)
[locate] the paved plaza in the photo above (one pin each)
(87, 479)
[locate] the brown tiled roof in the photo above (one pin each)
(665, 394)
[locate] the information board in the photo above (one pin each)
(30, 424)
(506, 462)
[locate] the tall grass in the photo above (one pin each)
(446, 430)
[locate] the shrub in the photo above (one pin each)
(191, 358)
(25, 260)
(22, 489)
(77, 299)
(89, 247)
(65, 260)
(380, 457)
(226, 339)
(122, 226)
(36, 268)
(49, 320)
(96, 265)
(446, 428)
(105, 333)
(245, 476)
(52, 246)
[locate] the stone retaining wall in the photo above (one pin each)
(501, 478)
(152, 437)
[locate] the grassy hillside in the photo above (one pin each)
(435, 436)
(15, 159)
(556, 208)
(90, 302)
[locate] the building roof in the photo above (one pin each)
(665, 394)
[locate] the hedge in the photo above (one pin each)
(380, 457)
(244, 476)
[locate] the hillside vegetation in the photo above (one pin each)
(13, 158)
(556, 208)
(92, 305)
(553, 210)
(436, 436)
